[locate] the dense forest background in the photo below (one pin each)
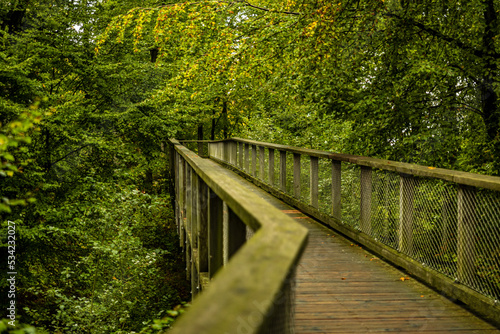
(91, 90)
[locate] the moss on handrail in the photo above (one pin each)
(247, 289)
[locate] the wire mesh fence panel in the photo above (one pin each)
(385, 207)
(434, 224)
(351, 195)
(486, 247)
(325, 185)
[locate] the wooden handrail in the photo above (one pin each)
(465, 178)
(246, 290)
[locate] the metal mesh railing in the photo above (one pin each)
(450, 227)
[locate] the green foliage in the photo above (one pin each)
(96, 248)
(417, 79)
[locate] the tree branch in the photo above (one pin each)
(248, 4)
(67, 155)
(443, 37)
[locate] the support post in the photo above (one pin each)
(215, 234)
(296, 175)
(203, 226)
(189, 200)
(247, 158)
(254, 160)
(233, 152)
(405, 233)
(313, 182)
(195, 212)
(366, 200)
(271, 167)
(283, 171)
(337, 190)
(261, 163)
(466, 235)
(240, 155)
(237, 233)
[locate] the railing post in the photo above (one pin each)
(296, 175)
(240, 155)
(233, 152)
(271, 167)
(236, 233)
(366, 200)
(215, 234)
(189, 210)
(406, 195)
(262, 171)
(313, 182)
(283, 171)
(226, 151)
(202, 227)
(337, 190)
(254, 160)
(247, 158)
(466, 234)
(180, 198)
(194, 209)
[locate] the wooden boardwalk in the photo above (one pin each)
(342, 288)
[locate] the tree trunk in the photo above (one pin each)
(489, 98)
(212, 131)
(224, 119)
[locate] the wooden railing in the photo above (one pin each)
(239, 248)
(442, 226)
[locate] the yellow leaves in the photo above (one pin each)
(402, 279)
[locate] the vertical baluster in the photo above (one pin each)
(194, 209)
(405, 233)
(194, 233)
(254, 160)
(210, 150)
(240, 155)
(189, 208)
(236, 232)
(233, 154)
(283, 171)
(466, 234)
(296, 175)
(226, 151)
(262, 171)
(314, 182)
(189, 200)
(215, 233)
(366, 200)
(337, 190)
(182, 191)
(271, 167)
(177, 190)
(203, 226)
(247, 158)
(195, 277)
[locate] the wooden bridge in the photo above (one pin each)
(333, 243)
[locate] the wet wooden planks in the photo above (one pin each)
(342, 288)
